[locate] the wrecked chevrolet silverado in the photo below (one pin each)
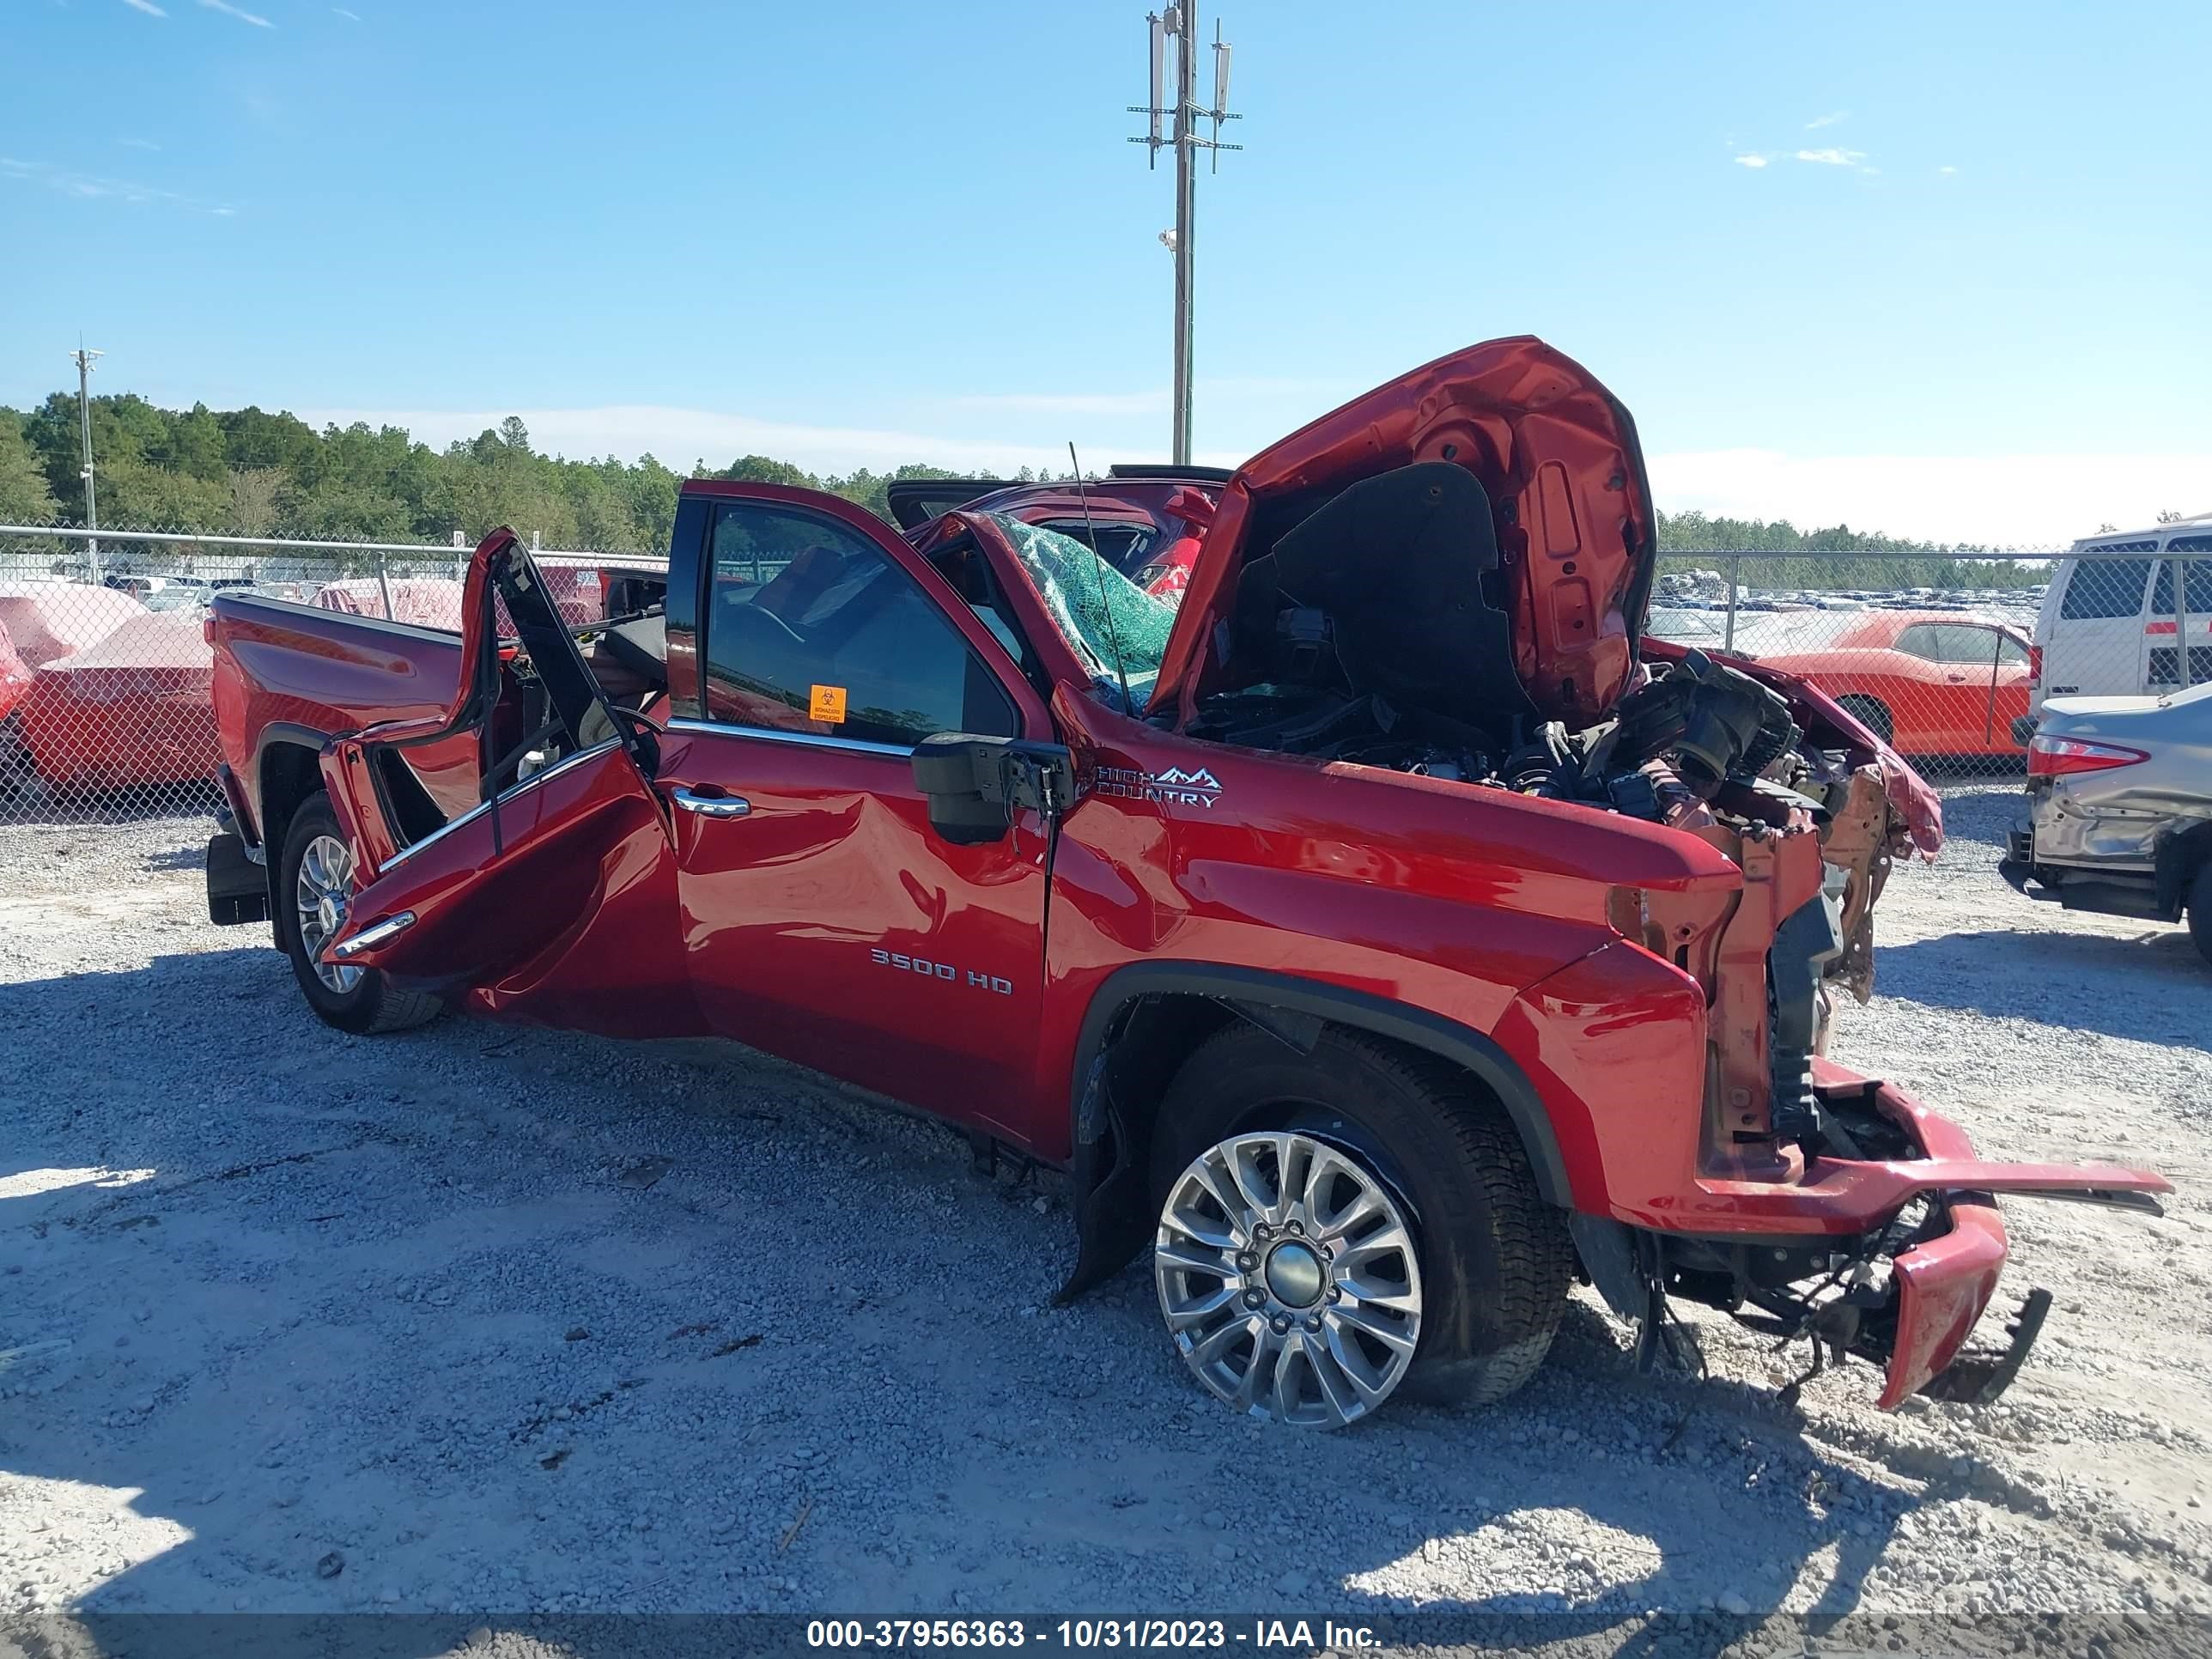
(1384, 939)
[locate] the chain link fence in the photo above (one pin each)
(1951, 656)
(106, 707)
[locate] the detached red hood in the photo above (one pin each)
(1556, 455)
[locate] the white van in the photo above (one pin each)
(2114, 618)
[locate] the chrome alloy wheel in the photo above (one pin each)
(1288, 1276)
(321, 895)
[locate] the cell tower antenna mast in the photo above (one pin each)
(83, 359)
(1175, 31)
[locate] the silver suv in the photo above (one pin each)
(2119, 809)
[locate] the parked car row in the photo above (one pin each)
(2110, 621)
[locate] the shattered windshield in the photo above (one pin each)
(1115, 626)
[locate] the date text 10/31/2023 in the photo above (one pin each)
(1295, 1635)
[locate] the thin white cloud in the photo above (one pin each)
(2027, 501)
(1829, 158)
(86, 187)
(350, 16)
(1947, 171)
(1751, 161)
(1829, 120)
(679, 436)
(1066, 403)
(146, 6)
(138, 143)
(239, 12)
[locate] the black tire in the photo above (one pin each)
(20, 784)
(2200, 911)
(1871, 712)
(1495, 1257)
(371, 1005)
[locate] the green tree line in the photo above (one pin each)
(1872, 562)
(252, 473)
(249, 473)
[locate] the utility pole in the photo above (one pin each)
(1179, 25)
(83, 359)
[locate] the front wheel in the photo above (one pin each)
(1338, 1225)
(314, 885)
(1872, 713)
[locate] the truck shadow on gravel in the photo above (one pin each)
(502, 1319)
(2147, 987)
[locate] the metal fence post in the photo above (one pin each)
(2179, 569)
(1735, 581)
(384, 584)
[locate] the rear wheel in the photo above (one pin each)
(1339, 1225)
(1873, 713)
(2200, 911)
(314, 885)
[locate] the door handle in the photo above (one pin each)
(711, 807)
(373, 935)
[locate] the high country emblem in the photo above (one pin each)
(1180, 785)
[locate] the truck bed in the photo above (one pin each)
(297, 674)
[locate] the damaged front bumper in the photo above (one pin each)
(1942, 1284)
(1887, 1245)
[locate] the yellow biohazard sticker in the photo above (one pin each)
(827, 703)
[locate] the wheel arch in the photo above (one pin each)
(286, 773)
(1146, 1017)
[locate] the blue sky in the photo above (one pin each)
(1964, 293)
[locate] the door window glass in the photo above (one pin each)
(1919, 640)
(2196, 585)
(1961, 643)
(2106, 587)
(2011, 653)
(810, 627)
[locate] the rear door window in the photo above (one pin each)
(2106, 587)
(811, 628)
(2196, 582)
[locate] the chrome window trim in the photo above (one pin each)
(806, 739)
(503, 797)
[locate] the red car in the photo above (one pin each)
(117, 695)
(17, 775)
(1930, 682)
(1381, 938)
(129, 712)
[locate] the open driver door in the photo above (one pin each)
(553, 901)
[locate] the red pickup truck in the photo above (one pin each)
(1385, 936)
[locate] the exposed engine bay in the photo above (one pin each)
(1696, 744)
(1373, 630)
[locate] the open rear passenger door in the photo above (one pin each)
(554, 899)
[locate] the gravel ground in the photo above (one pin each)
(475, 1321)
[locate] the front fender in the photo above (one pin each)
(1614, 1047)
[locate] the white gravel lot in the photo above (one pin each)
(303, 1322)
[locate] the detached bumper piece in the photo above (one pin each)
(1976, 1379)
(1917, 1261)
